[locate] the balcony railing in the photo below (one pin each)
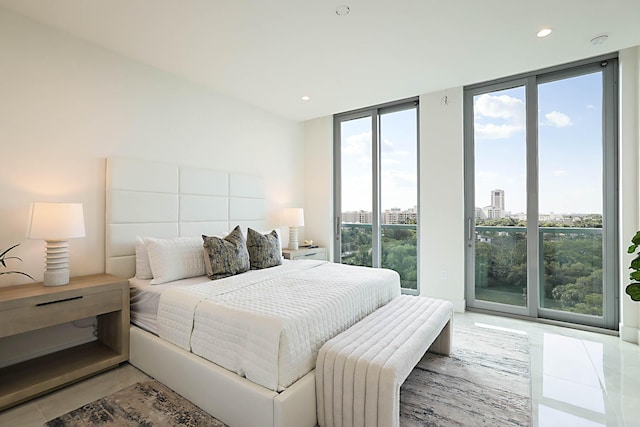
(570, 267)
(399, 249)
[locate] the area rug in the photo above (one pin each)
(147, 404)
(485, 382)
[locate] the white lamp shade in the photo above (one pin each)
(56, 221)
(293, 217)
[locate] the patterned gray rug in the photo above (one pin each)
(485, 382)
(148, 404)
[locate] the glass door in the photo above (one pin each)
(541, 195)
(376, 189)
(572, 202)
(356, 191)
(499, 226)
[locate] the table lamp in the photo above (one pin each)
(294, 218)
(56, 223)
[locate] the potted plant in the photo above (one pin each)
(4, 258)
(633, 288)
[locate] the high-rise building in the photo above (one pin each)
(497, 199)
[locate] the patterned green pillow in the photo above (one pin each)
(264, 249)
(226, 257)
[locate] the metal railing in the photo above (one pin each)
(548, 234)
(349, 251)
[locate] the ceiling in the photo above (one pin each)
(270, 53)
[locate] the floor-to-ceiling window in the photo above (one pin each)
(376, 189)
(541, 194)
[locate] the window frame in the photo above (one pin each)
(375, 112)
(610, 150)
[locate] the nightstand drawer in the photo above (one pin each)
(41, 312)
(306, 253)
(321, 255)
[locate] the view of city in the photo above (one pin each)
(399, 241)
(389, 155)
(568, 174)
(570, 251)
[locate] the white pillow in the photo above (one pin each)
(143, 268)
(175, 259)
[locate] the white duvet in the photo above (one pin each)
(269, 325)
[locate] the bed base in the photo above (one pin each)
(232, 399)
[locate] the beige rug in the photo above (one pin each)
(484, 382)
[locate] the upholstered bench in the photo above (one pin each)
(359, 372)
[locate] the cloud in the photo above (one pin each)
(498, 117)
(557, 119)
(388, 161)
(357, 144)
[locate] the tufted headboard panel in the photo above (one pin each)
(147, 198)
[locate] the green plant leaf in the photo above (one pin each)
(635, 264)
(632, 249)
(633, 290)
(635, 276)
(636, 239)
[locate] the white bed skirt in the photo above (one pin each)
(230, 398)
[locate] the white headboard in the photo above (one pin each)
(146, 198)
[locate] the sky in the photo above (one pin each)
(569, 146)
(398, 157)
(569, 151)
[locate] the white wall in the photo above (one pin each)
(629, 187)
(66, 105)
(318, 182)
(442, 180)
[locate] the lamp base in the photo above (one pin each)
(57, 272)
(293, 238)
(56, 278)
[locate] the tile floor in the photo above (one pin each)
(578, 379)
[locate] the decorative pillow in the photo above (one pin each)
(279, 239)
(174, 259)
(227, 256)
(143, 268)
(264, 249)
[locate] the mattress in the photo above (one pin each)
(145, 298)
(269, 326)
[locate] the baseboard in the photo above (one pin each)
(459, 306)
(629, 334)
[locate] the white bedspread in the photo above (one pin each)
(269, 327)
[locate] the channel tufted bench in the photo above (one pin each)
(359, 372)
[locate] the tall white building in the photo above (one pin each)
(497, 199)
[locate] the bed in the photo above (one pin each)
(185, 331)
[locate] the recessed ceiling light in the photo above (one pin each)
(599, 39)
(305, 98)
(343, 10)
(544, 32)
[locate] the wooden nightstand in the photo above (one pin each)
(306, 253)
(33, 306)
